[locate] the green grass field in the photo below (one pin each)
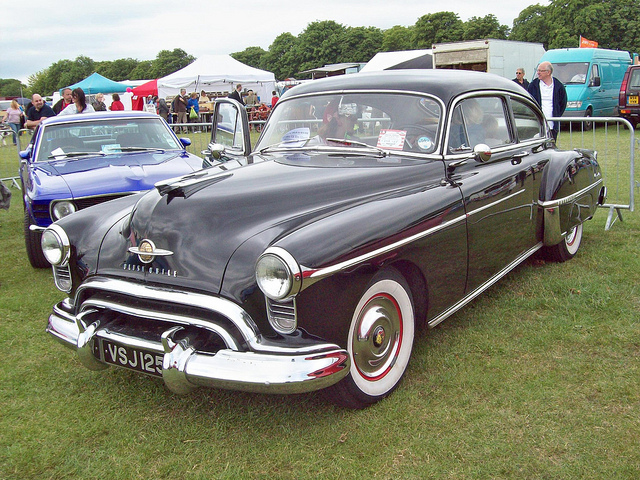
(537, 379)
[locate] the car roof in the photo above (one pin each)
(444, 84)
(98, 116)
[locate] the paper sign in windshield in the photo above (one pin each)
(296, 137)
(392, 139)
(112, 148)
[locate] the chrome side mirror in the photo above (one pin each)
(215, 150)
(482, 153)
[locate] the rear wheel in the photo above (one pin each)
(380, 342)
(566, 249)
(32, 242)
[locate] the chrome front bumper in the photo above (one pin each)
(248, 362)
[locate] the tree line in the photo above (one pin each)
(614, 24)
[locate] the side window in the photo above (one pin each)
(528, 124)
(634, 81)
(478, 120)
(595, 72)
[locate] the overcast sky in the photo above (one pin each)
(139, 29)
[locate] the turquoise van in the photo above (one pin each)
(592, 77)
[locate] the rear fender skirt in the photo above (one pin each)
(554, 230)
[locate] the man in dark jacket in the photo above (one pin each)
(64, 102)
(550, 94)
(520, 80)
(237, 94)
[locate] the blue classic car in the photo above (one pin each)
(77, 161)
(373, 205)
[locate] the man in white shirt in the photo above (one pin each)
(550, 94)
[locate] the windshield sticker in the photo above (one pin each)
(391, 139)
(113, 148)
(296, 137)
(425, 143)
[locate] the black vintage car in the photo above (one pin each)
(371, 206)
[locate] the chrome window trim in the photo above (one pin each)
(506, 97)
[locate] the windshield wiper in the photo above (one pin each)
(76, 154)
(355, 143)
(140, 149)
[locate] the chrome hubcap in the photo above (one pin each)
(377, 338)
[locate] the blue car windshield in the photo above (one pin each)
(387, 121)
(108, 136)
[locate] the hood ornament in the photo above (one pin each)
(147, 251)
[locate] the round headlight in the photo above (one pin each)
(278, 274)
(62, 209)
(55, 245)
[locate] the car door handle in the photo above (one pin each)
(516, 158)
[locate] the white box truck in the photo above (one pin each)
(501, 57)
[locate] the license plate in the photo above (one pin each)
(137, 359)
(633, 99)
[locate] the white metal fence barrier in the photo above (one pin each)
(615, 141)
(612, 137)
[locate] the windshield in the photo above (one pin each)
(390, 121)
(104, 137)
(571, 72)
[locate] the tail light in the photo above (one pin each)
(622, 99)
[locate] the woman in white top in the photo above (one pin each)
(79, 104)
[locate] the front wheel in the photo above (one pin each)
(380, 342)
(567, 248)
(588, 125)
(32, 242)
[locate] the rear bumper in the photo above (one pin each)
(247, 362)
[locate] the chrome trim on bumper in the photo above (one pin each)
(253, 364)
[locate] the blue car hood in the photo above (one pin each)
(130, 172)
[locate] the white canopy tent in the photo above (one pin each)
(218, 73)
(399, 60)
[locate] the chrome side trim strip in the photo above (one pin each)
(569, 198)
(497, 202)
(310, 275)
(462, 302)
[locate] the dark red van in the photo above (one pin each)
(628, 103)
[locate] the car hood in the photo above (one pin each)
(203, 222)
(81, 177)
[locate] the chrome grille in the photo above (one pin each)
(282, 315)
(62, 278)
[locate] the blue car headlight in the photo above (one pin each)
(62, 209)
